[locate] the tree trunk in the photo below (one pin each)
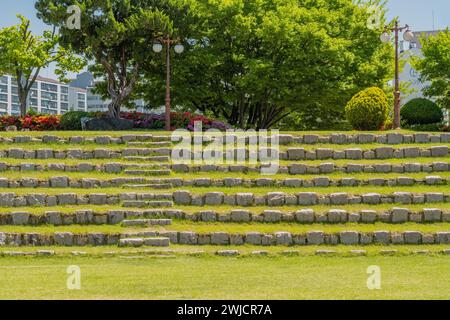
(114, 108)
(23, 108)
(23, 103)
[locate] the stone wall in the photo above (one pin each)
(302, 216)
(86, 183)
(293, 169)
(284, 139)
(224, 238)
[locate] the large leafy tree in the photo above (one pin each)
(24, 55)
(435, 67)
(116, 35)
(258, 62)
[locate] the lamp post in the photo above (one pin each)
(386, 37)
(178, 48)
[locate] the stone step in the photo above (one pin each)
(150, 144)
(109, 167)
(151, 159)
(82, 154)
(143, 204)
(379, 153)
(146, 222)
(284, 139)
(139, 242)
(280, 238)
(303, 216)
(148, 172)
(276, 199)
(323, 168)
(158, 186)
(138, 182)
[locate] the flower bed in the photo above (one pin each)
(179, 120)
(31, 122)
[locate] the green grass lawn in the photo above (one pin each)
(208, 277)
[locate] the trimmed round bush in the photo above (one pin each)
(72, 120)
(421, 111)
(368, 109)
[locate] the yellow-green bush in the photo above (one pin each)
(368, 109)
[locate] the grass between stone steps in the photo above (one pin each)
(340, 162)
(210, 277)
(237, 228)
(227, 209)
(226, 190)
(88, 146)
(214, 175)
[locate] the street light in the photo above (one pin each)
(386, 38)
(178, 48)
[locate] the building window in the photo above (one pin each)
(49, 87)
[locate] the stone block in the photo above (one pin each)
(272, 215)
(315, 238)
(244, 199)
(307, 198)
(399, 215)
(349, 237)
(240, 215)
(214, 198)
(304, 216)
(276, 199)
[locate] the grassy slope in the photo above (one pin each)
(408, 277)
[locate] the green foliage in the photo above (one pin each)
(256, 62)
(72, 120)
(368, 109)
(435, 67)
(431, 127)
(23, 55)
(117, 35)
(421, 111)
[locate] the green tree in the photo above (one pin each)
(116, 35)
(435, 67)
(24, 55)
(256, 62)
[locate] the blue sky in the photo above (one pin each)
(417, 13)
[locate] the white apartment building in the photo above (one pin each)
(96, 103)
(46, 96)
(409, 74)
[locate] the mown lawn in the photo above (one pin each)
(208, 277)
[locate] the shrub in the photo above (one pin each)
(421, 111)
(179, 120)
(431, 127)
(72, 120)
(368, 109)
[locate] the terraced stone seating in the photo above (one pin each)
(126, 191)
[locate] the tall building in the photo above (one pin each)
(46, 96)
(95, 102)
(409, 74)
